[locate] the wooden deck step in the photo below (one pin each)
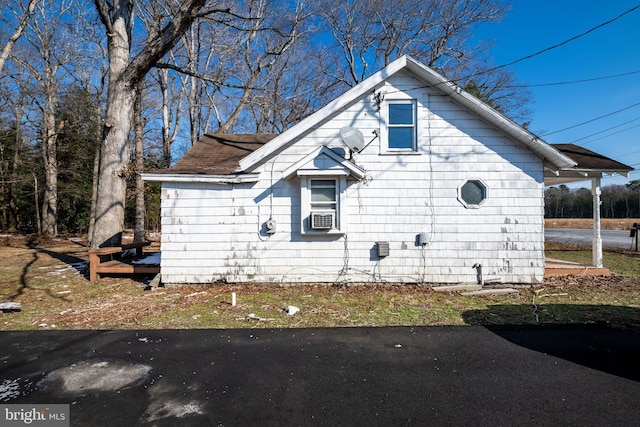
(555, 267)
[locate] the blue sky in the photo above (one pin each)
(534, 25)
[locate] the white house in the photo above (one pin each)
(405, 178)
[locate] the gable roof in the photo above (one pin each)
(321, 160)
(553, 158)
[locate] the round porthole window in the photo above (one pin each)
(472, 193)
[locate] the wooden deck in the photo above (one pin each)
(109, 261)
(556, 267)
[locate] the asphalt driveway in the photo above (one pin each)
(349, 376)
(578, 236)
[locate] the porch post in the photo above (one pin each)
(597, 237)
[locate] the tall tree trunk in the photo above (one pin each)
(49, 216)
(166, 121)
(139, 235)
(124, 74)
(114, 151)
(13, 214)
(35, 196)
(194, 111)
(113, 171)
(94, 187)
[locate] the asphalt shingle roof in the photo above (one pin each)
(218, 154)
(588, 159)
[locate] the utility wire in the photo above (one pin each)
(547, 50)
(628, 154)
(573, 81)
(611, 134)
(559, 44)
(605, 130)
(592, 120)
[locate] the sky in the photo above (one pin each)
(613, 49)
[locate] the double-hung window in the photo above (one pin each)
(401, 125)
(323, 175)
(324, 203)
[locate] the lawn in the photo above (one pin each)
(47, 280)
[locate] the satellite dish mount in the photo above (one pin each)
(352, 138)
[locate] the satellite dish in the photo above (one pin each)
(352, 138)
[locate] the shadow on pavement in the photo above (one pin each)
(451, 375)
(612, 346)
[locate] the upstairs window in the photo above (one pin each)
(401, 126)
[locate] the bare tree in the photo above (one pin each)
(201, 74)
(138, 124)
(229, 76)
(369, 34)
(125, 73)
(50, 46)
(22, 13)
(170, 112)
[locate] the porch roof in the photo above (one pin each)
(589, 165)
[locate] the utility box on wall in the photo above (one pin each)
(383, 249)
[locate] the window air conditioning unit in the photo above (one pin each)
(322, 220)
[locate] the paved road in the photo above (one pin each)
(611, 238)
(587, 376)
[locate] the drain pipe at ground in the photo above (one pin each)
(479, 277)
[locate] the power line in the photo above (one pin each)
(611, 134)
(592, 120)
(573, 81)
(605, 130)
(628, 154)
(547, 50)
(559, 44)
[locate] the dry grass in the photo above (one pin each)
(605, 223)
(47, 280)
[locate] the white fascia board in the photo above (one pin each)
(520, 134)
(624, 172)
(322, 114)
(210, 179)
(322, 172)
(348, 167)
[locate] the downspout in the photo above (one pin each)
(479, 277)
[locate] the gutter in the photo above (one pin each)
(535, 144)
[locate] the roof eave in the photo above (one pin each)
(447, 87)
(199, 178)
(517, 132)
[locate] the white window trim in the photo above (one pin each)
(305, 204)
(384, 134)
(473, 206)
